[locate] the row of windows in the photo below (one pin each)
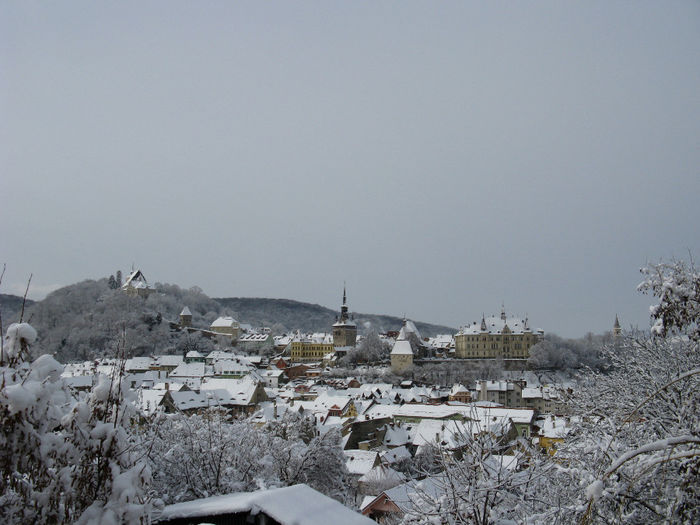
(493, 337)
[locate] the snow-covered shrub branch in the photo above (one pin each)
(62, 458)
(677, 286)
(203, 455)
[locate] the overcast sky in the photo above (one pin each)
(439, 157)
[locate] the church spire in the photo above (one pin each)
(617, 329)
(344, 307)
(503, 311)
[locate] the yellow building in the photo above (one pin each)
(310, 348)
(496, 337)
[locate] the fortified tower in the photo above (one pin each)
(344, 329)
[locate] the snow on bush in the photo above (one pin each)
(63, 459)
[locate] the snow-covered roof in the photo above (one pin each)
(225, 322)
(347, 322)
(136, 279)
(185, 311)
(384, 475)
(220, 355)
(149, 400)
(395, 454)
(554, 426)
(241, 391)
(360, 462)
(442, 341)
(402, 347)
(83, 381)
(138, 363)
(451, 434)
(169, 360)
(408, 328)
(486, 416)
(295, 505)
(458, 388)
(190, 370)
(189, 400)
(404, 495)
(253, 338)
(327, 402)
(496, 325)
(542, 392)
(396, 436)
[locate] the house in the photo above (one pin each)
(273, 378)
(298, 370)
(194, 357)
(340, 406)
(506, 393)
(226, 326)
(295, 505)
(550, 431)
(244, 395)
(392, 504)
(460, 393)
(516, 394)
(136, 285)
(167, 363)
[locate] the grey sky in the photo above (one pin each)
(439, 157)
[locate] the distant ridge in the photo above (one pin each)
(312, 317)
(11, 306)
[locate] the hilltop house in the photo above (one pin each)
(136, 285)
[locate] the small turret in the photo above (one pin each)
(617, 330)
(185, 317)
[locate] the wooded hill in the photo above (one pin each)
(90, 319)
(313, 317)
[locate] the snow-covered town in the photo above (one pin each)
(242, 419)
(349, 262)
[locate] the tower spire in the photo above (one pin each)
(344, 307)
